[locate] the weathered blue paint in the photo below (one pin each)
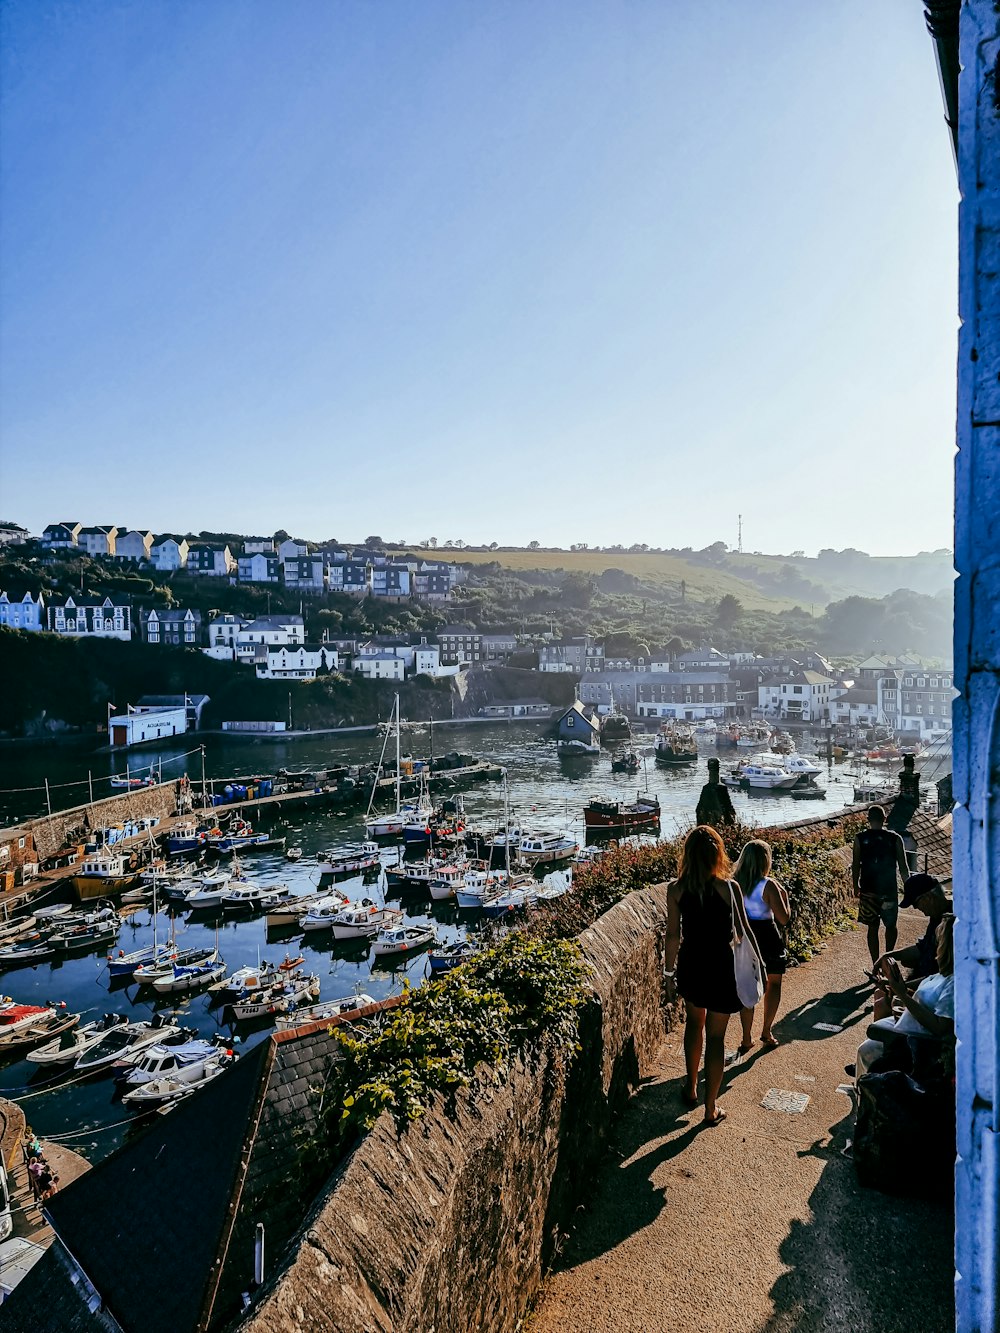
(977, 677)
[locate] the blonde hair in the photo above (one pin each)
(703, 858)
(754, 864)
(944, 951)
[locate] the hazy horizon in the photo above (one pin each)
(604, 274)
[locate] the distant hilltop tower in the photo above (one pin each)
(739, 537)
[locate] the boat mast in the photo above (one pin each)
(378, 771)
(398, 760)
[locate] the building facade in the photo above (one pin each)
(460, 644)
(90, 617)
(24, 612)
(98, 541)
(209, 561)
(258, 567)
(168, 554)
(133, 545)
(179, 626)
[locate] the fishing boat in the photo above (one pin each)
(761, 777)
(193, 976)
(612, 817)
(431, 826)
(326, 1009)
(246, 978)
(628, 762)
(863, 792)
(158, 1060)
(290, 911)
(253, 897)
(239, 836)
(452, 955)
(102, 875)
(403, 939)
(675, 746)
(727, 738)
(752, 737)
(477, 885)
(791, 763)
(277, 999)
(342, 865)
(174, 1087)
(15, 1018)
(414, 874)
(73, 1043)
(85, 936)
(447, 882)
(186, 838)
(509, 899)
(362, 920)
(589, 856)
(546, 849)
(122, 1040)
(33, 948)
(706, 727)
(321, 914)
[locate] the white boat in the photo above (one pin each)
(293, 854)
(537, 849)
(252, 897)
(792, 763)
(73, 1044)
(342, 865)
(192, 977)
(403, 939)
(362, 920)
(121, 1042)
(507, 900)
(477, 885)
(706, 727)
(53, 911)
(320, 915)
(16, 927)
(290, 911)
(173, 1087)
(762, 777)
(158, 1060)
(447, 882)
(318, 1013)
(205, 896)
(589, 856)
(579, 747)
(277, 999)
(390, 825)
(752, 737)
(149, 975)
(246, 978)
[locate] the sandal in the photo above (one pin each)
(769, 1042)
(717, 1119)
(745, 1050)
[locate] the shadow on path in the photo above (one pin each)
(840, 1008)
(655, 1116)
(866, 1260)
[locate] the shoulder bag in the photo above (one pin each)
(746, 964)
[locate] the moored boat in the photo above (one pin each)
(277, 999)
(452, 955)
(613, 817)
(122, 1041)
(102, 875)
(362, 920)
(675, 746)
(403, 940)
(546, 849)
(193, 976)
(73, 1043)
(326, 1009)
(174, 1087)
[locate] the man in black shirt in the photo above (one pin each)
(878, 855)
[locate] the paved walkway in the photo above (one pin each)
(759, 1225)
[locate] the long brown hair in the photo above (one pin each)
(754, 864)
(945, 948)
(703, 858)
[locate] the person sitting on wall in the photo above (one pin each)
(928, 1013)
(926, 894)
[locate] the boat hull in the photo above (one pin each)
(89, 887)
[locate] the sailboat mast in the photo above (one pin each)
(398, 760)
(506, 824)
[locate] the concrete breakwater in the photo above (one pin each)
(451, 1225)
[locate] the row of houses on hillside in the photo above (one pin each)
(292, 564)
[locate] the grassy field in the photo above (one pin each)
(703, 582)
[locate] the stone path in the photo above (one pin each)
(759, 1225)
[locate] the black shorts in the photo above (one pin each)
(771, 945)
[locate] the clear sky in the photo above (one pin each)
(602, 272)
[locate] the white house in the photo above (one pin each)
(133, 545)
(800, 695)
(146, 724)
(427, 659)
(222, 632)
(98, 541)
(303, 661)
(380, 666)
(258, 568)
(22, 613)
(89, 616)
(289, 549)
(278, 631)
(12, 534)
(258, 546)
(168, 554)
(856, 707)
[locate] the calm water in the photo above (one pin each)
(545, 791)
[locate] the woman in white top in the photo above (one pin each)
(767, 909)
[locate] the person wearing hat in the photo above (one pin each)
(926, 894)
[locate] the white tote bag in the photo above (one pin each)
(749, 977)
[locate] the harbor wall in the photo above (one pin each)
(450, 1225)
(62, 827)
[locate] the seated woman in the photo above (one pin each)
(928, 1012)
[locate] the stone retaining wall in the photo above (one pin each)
(449, 1226)
(52, 832)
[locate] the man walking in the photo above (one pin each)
(878, 855)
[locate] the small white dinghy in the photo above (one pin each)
(73, 1044)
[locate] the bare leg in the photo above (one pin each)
(694, 1032)
(891, 934)
(715, 1059)
(746, 1018)
(873, 948)
(772, 998)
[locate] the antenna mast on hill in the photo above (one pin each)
(739, 540)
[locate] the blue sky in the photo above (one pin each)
(608, 272)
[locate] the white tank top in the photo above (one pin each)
(757, 908)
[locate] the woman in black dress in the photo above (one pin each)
(702, 904)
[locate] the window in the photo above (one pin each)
(796, 689)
